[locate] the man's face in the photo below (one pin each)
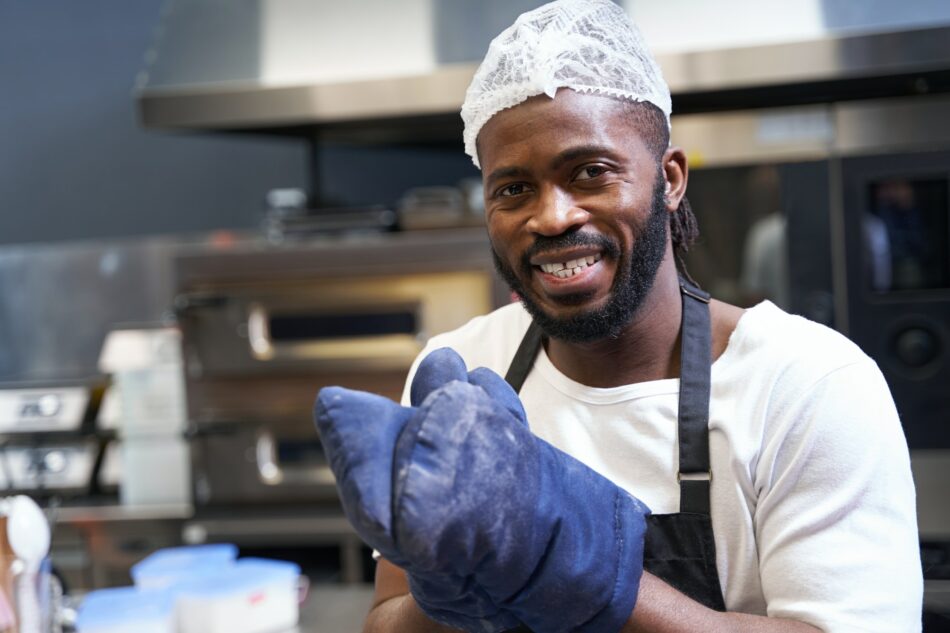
(570, 181)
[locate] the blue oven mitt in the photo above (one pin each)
(495, 512)
(359, 432)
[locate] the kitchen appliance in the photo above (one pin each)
(897, 241)
(839, 213)
(51, 445)
(265, 327)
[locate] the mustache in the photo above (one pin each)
(543, 244)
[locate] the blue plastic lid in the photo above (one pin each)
(245, 574)
(123, 605)
(166, 565)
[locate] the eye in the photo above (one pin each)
(509, 191)
(589, 172)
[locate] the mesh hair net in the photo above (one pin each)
(586, 45)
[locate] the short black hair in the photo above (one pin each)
(651, 123)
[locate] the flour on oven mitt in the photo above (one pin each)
(359, 432)
(443, 595)
(483, 514)
(478, 495)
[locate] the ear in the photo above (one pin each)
(676, 173)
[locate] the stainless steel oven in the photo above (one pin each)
(50, 443)
(897, 207)
(840, 212)
(265, 327)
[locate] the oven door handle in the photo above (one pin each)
(268, 465)
(188, 302)
(272, 473)
(258, 332)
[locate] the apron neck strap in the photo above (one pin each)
(524, 357)
(694, 474)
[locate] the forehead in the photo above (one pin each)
(542, 127)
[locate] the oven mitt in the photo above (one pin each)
(479, 500)
(359, 432)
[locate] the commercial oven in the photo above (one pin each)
(265, 327)
(840, 212)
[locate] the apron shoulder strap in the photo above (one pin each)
(524, 357)
(693, 421)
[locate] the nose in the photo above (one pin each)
(556, 213)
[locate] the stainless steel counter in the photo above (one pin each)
(335, 609)
(114, 513)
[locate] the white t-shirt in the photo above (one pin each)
(813, 505)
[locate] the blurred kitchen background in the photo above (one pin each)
(212, 208)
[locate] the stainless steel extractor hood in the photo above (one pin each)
(246, 64)
(259, 65)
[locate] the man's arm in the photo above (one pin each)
(394, 609)
(660, 609)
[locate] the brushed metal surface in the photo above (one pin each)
(891, 125)
(814, 132)
(59, 300)
(330, 609)
(256, 105)
(931, 470)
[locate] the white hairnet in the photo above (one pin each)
(585, 45)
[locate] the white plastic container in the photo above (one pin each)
(146, 369)
(150, 416)
(254, 596)
(127, 610)
(152, 400)
(155, 469)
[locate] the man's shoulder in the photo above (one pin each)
(788, 346)
(489, 340)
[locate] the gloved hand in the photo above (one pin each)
(477, 498)
(359, 432)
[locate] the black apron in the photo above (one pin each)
(678, 548)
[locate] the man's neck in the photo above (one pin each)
(646, 349)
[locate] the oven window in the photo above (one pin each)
(906, 235)
(314, 327)
(300, 453)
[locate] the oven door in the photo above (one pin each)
(359, 323)
(238, 464)
(897, 238)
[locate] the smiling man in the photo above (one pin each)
(670, 463)
(554, 166)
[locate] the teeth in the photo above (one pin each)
(571, 267)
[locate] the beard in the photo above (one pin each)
(632, 284)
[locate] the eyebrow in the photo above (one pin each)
(573, 153)
(505, 172)
(568, 155)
